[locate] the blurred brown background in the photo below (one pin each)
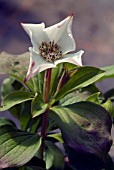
(93, 27)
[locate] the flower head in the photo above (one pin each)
(51, 46)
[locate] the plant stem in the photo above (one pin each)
(47, 80)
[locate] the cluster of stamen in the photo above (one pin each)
(50, 51)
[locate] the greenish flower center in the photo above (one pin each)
(50, 51)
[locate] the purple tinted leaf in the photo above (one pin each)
(86, 128)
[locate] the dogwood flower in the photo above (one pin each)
(51, 46)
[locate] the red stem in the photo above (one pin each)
(47, 80)
(43, 131)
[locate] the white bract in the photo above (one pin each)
(51, 46)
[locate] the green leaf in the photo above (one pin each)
(6, 121)
(84, 125)
(109, 107)
(7, 86)
(28, 85)
(54, 157)
(70, 67)
(25, 114)
(34, 124)
(10, 85)
(94, 98)
(38, 83)
(14, 98)
(34, 84)
(17, 147)
(73, 97)
(15, 65)
(38, 106)
(41, 82)
(15, 110)
(57, 136)
(55, 77)
(91, 89)
(109, 72)
(34, 164)
(83, 77)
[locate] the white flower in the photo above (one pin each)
(51, 46)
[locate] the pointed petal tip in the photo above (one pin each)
(21, 24)
(81, 51)
(71, 15)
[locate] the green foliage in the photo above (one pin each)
(109, 107)
(15, 98)
(7, 86)
(94, 98)
(83, 77)
(16, 147)
(79, 117)
(90, 125)
(6, 121)
(38, 106)
(73, 97)
(109, 72)
(25, 115)
(56, 136)
(55, 77)
(53, 156)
